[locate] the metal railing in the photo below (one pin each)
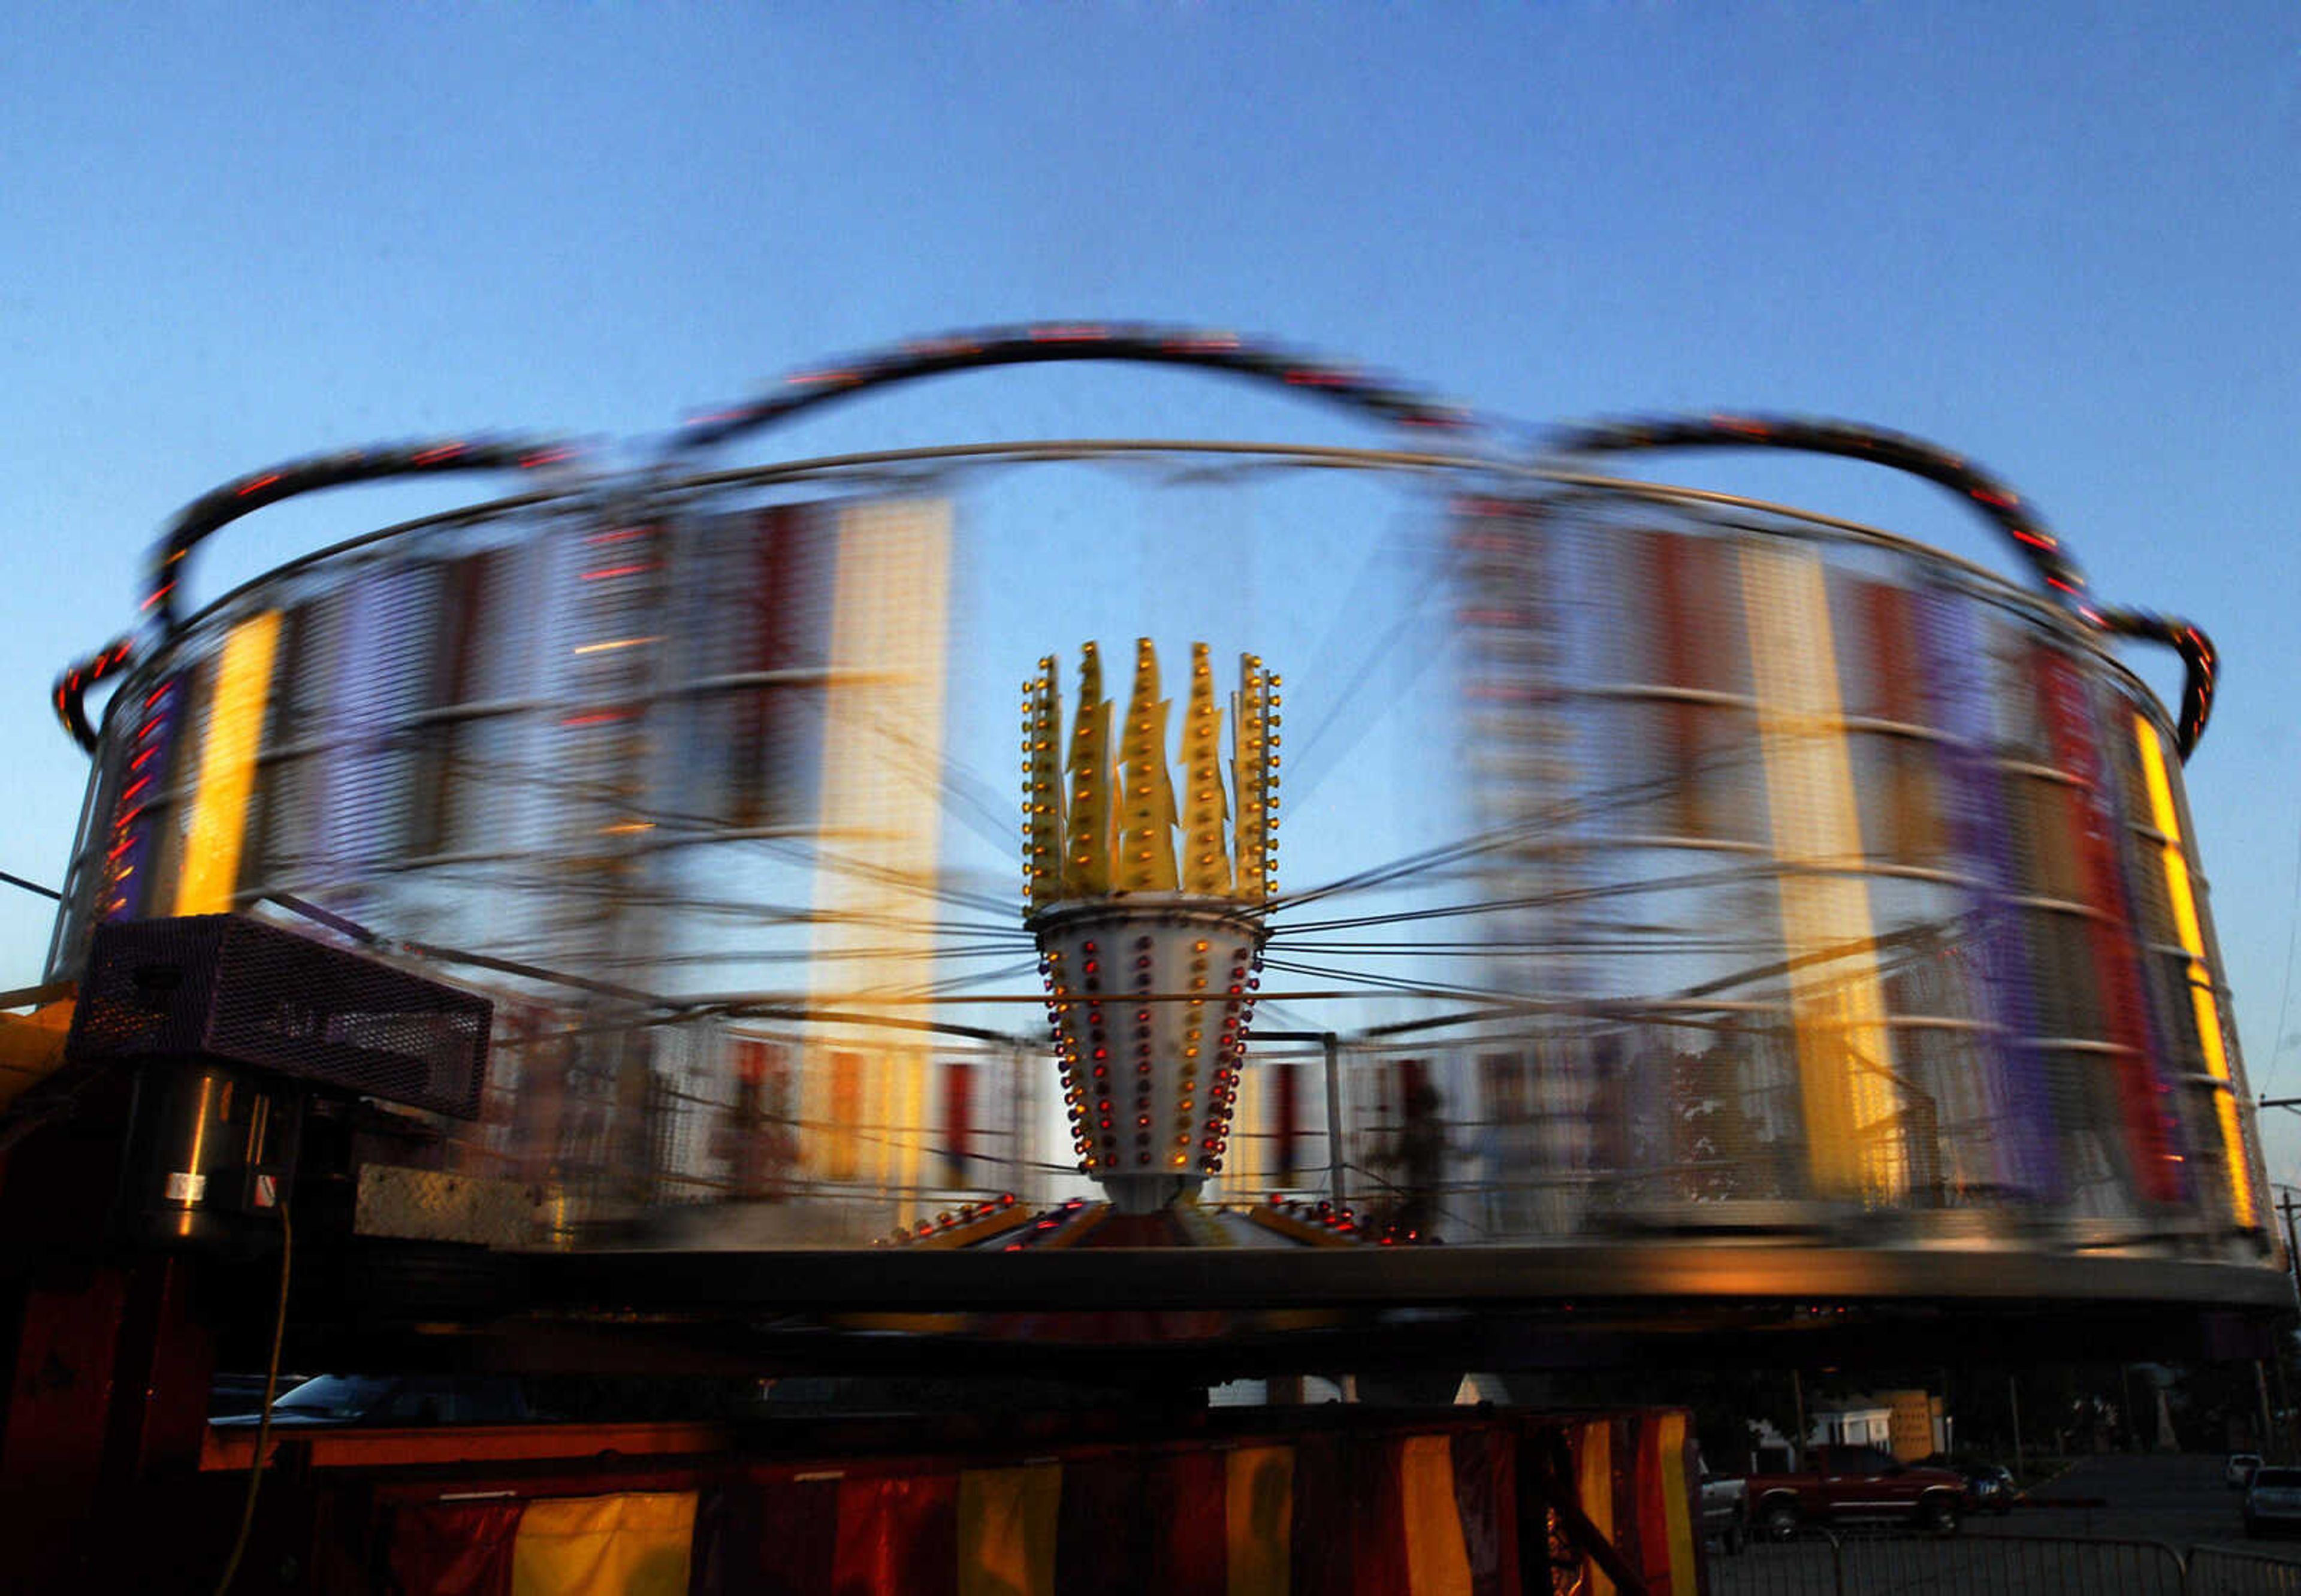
(1824, 1563)
(2216, 1571)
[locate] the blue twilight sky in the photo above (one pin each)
(2061, 238)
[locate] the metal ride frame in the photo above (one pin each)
(1501, 1303)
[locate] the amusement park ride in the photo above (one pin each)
(539, 937)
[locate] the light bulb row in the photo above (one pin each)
(1102, 1018)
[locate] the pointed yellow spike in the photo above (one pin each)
(1162, 799)
(1086, 831)
(1251, 775)
(1206, 811)
(1118, 830)
(1146, 841)
(1043, 797)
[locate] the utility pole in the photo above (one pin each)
(2013, 1399)
(2292, 1247)
(2261, 1392)
(1337, 1186)
(2293, 1261)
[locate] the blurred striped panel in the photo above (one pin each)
(1982, 846)
(2143, 1096)
(2242, 1208)
(877, 850)
(1852, 1102)
(218, 825)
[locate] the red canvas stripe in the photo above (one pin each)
(1485, 1491)
(1101, 1531)
(1322, 1516)
(897, 1537)
(1377, 1514)
(1186, 1498)
(452, 1548)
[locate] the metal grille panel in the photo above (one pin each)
(224, 987)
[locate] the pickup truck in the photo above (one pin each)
(1842, 1484)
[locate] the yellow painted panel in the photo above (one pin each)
(1259, 1503)
(227, 768)
(639, 1543)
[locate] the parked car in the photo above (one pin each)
(230, 1396)
(1991, 1488)
(1849, 1483)
(2237, 1472)
(2272, 1502)
(1724, 1511)
(394, 1399)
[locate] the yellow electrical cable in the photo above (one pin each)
(262, 1425)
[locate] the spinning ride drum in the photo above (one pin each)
(1658, 865)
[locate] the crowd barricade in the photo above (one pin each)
(1821, 1562)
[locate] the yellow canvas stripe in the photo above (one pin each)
(2190, 930)
(1258, 1514)
(1838, 1004)
(1437, 1560)
(1596, 1488)
(1675, 1516)
(219, 827)
(1006, 1530)
(638, 1543)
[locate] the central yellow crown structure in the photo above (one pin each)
(1150, 958)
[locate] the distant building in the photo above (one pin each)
(1910, 1424)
